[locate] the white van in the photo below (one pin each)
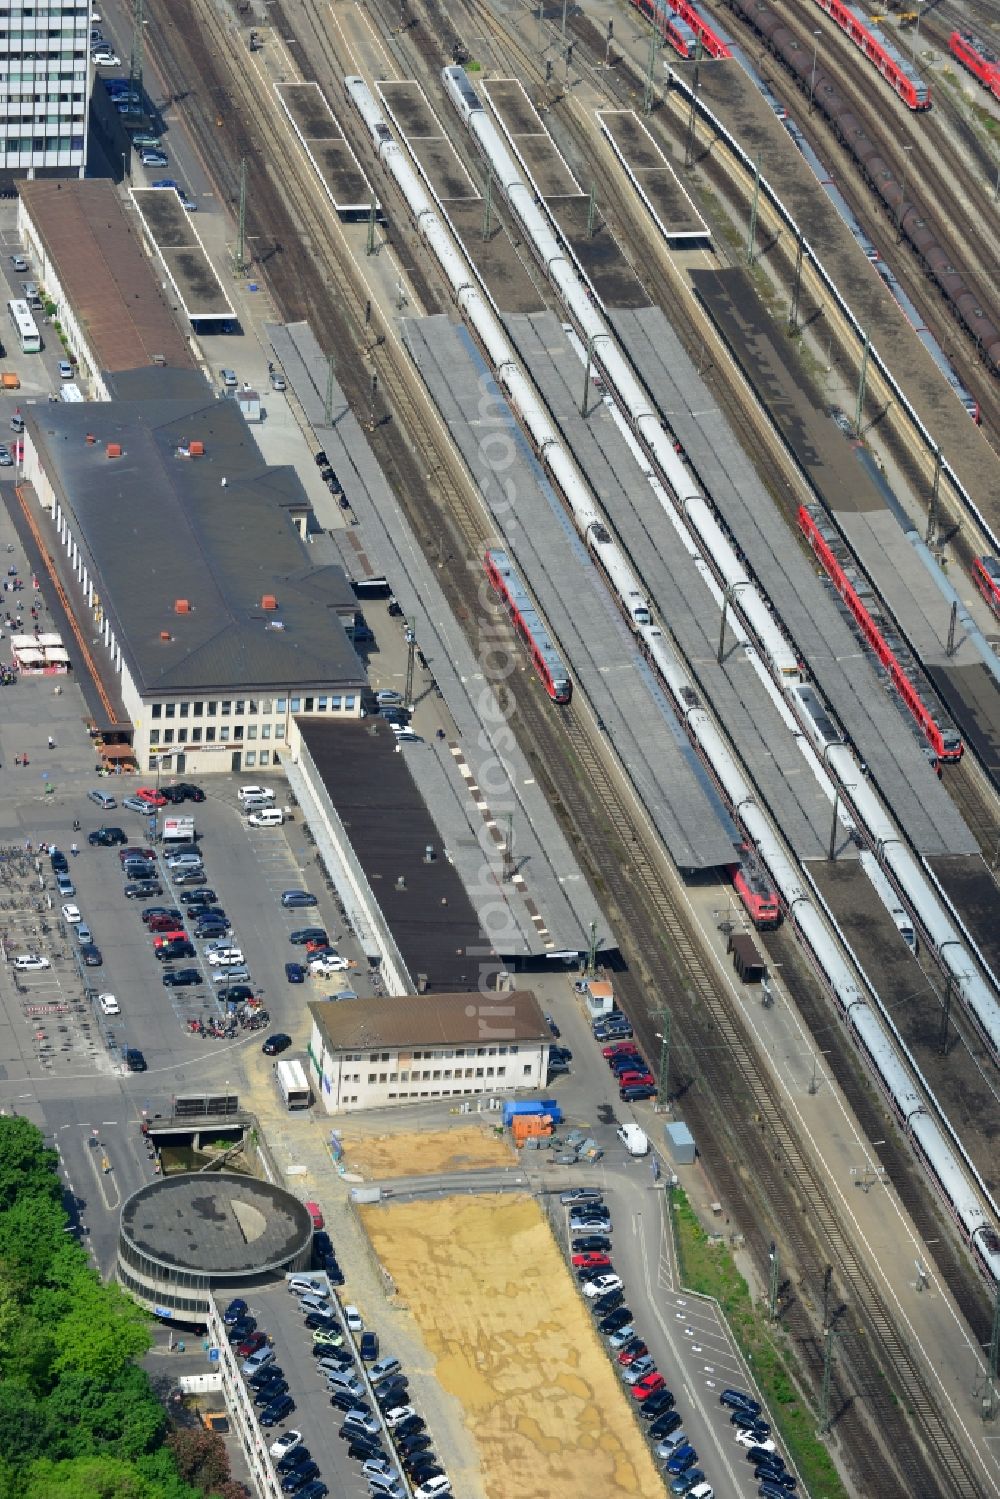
(266, 817)
(260, 794)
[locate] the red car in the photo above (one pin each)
(168, 935)
(135, 853)
(635, 1079)
(620, 1048)
(257, 1340)
(152, 797)
(593, 1260)
(162, 924)
(632, 1352)
(644, 1388)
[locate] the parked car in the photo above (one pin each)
(276, 1043)
(278, 1411)
(31, 962)
(91, 955)
(107, 837)
(601, 1286)
(181, 978)
(295, 973)
(71, 914)
(292, 899)
(133, 1059)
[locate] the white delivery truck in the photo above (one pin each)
(634, 1139)
(178, 832)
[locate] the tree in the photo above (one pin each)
(27, 1168)
(200, 1456)
(121, 1417)
(30, 1230)
(101, 1333)
(22, 1424)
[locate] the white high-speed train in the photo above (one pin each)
(926, 1132)
(923, 900)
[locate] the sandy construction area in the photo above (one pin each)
(513, 1343)
(378, 1157)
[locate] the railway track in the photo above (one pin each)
(923, 156)
(599, 815)
(766, 1104)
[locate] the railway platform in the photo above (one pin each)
(554, 886)
(678, 593)
(873, 529)
(596, 646)
(895, 760)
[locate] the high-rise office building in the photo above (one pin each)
(44, 78)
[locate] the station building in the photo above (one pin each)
(184, 1239)
(88, 259)
(407, 1049)
(206, 619)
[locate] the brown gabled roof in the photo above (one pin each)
(468, 1019)
(104, 273)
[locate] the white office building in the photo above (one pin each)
(44, 86)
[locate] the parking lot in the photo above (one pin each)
(248, 868)
(279, 1313)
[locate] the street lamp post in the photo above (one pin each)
(901, 213)
(812, 81)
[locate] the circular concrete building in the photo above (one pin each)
(185, 1237)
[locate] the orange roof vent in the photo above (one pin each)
(196, 449)
(182, 606)
(164, 634)
(114, 450)
(90, 439)
(269, 601)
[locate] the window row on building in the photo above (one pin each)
(429, 1075)
(257, 707)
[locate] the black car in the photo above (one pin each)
(322, 1319)
(278, 1042)
(294, 1459)
(663, 1401)
(270, 1374)
(143, 889)
(591, 1244)
(317, 1489)
(322, 1243)
(615, 1321)
(306, 934)
(238, 1331)
(391, 1395)
(408, 1427)
(271, 1393)
(136, 871)
(234, 1311)
(59, 861)
(236, 994)
(368, 1347)
(171, 950)
(343, 1400)
(419, 1442)
(299, 1477)
(637, 1092)
(191, 793)
(91, 955)
(362, 1448)
(214, 928)
(203, 892)
(174, 794)
(181, 978)
(607, 1303)
(334, 1274)
(422, 1473)
(107, 837)
(663, 1424)
(278, 1411)
(133, 1059)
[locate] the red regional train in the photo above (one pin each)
(756, 891)
(898, 71)
(681, 25)
(939, 732)
(986, 576)
(544, 656)
(980, 59)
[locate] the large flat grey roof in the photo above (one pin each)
(555, 910)
(171, 231)
(216, 1223)
(156, 527)
(846, 677)
(598, 650)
